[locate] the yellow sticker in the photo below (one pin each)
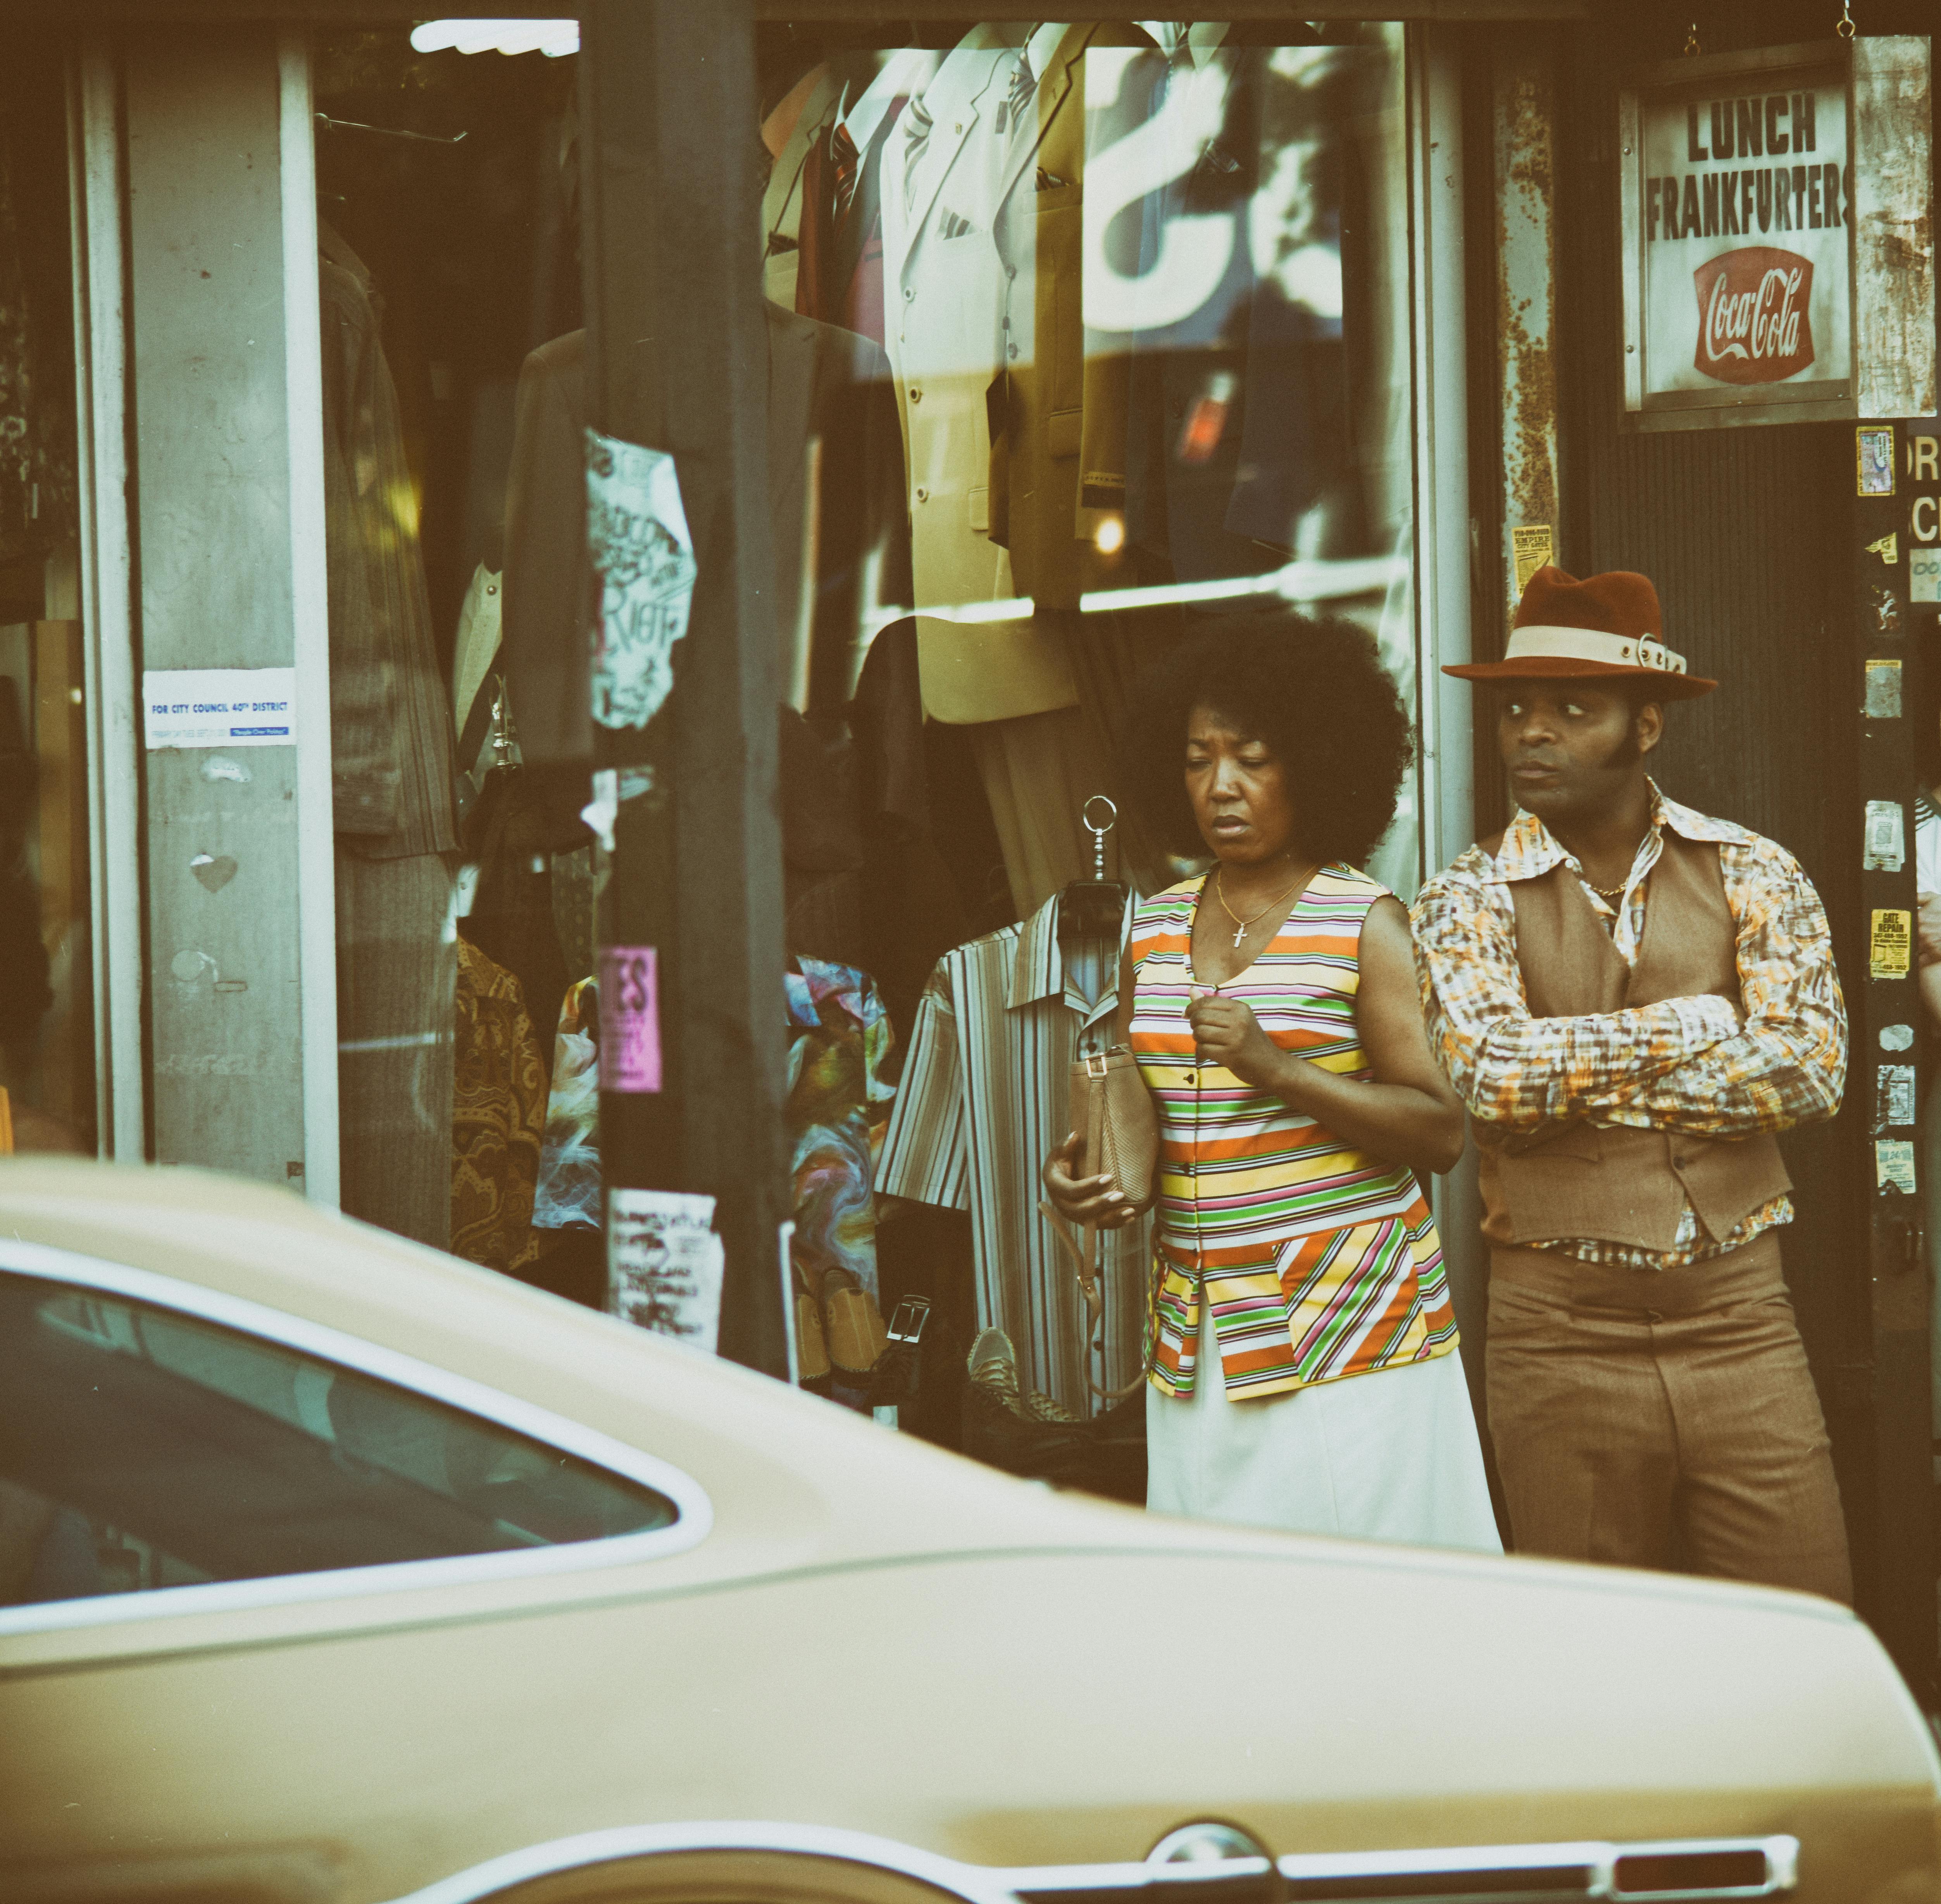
(1887, 548)
(1894, 1164)
(1893, 954)
(1534, 548)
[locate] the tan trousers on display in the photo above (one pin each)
(1661, 1419)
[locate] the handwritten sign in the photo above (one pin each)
(665, 1264)
(219, 707)
(637, 531)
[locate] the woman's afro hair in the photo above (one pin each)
(1315, 691)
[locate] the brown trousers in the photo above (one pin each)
(1649, 1418)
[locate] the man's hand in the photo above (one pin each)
(1226, 1033)
(1930, 928)
(1088, 1201)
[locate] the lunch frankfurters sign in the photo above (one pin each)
(1739, 195)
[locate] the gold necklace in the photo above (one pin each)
(1614, 893)
(1243, 927)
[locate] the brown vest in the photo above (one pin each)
(1623, 1183)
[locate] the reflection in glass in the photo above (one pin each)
(141, 1448)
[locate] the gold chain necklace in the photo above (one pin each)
(1243, 927)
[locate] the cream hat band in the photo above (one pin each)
(1589, 644)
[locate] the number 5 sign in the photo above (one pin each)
(630, 1018)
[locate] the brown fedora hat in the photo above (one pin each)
(1605, 627)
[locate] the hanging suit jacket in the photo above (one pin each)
(840, 275)
(1057, 414)
(782, 198)
(943, 307)
(835, 462)
(944, 298)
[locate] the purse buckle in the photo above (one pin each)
(906, 1323)
(1097, 1058)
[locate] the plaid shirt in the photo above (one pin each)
(1684, 1064)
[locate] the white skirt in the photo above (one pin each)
(1392, 1455)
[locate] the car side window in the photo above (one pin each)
(143, 1447)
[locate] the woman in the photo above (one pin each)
(1305, 1373)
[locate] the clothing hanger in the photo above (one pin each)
(1094, 907)
(388, 132)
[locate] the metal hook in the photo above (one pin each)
(388, 132)
(1098, 831)
(1692, 45)
(1846, 28)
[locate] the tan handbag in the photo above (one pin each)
(1111, 1111)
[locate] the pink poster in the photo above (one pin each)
(630, 1018)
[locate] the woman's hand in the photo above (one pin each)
(1226, 1033)
(1088, 1201)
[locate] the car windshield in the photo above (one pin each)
(143, 1447)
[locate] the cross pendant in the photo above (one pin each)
(1239, 932)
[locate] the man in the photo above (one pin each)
(1632, 999)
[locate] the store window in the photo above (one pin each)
(1078, 337)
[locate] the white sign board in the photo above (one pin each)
(1739, 257)
(219, 707)
(665, 1264)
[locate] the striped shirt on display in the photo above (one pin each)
(984, 1098)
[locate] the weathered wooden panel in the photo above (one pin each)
(1893, 226)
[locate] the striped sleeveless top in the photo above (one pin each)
(1320, 1261)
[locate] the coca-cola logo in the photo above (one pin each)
(1753, 322)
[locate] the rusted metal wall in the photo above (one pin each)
(1893, 226)
(1524, 128)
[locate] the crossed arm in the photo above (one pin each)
(1693, 1064)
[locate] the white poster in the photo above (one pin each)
(219, 707)
(637, 531)
(665, 1264)
(1742, 223)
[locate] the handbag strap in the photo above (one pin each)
(1089, 1270)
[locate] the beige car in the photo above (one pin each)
(333, 1571)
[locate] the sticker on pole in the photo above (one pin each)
(638, 536)
(218, 706)
(629, 1046)
(665, 1264)
(1894, 1166)
(1886, 847)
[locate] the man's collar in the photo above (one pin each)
(1529, 850)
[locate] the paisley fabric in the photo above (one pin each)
(498, 1102)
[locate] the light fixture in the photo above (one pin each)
(554, 37)
(1110, 536)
